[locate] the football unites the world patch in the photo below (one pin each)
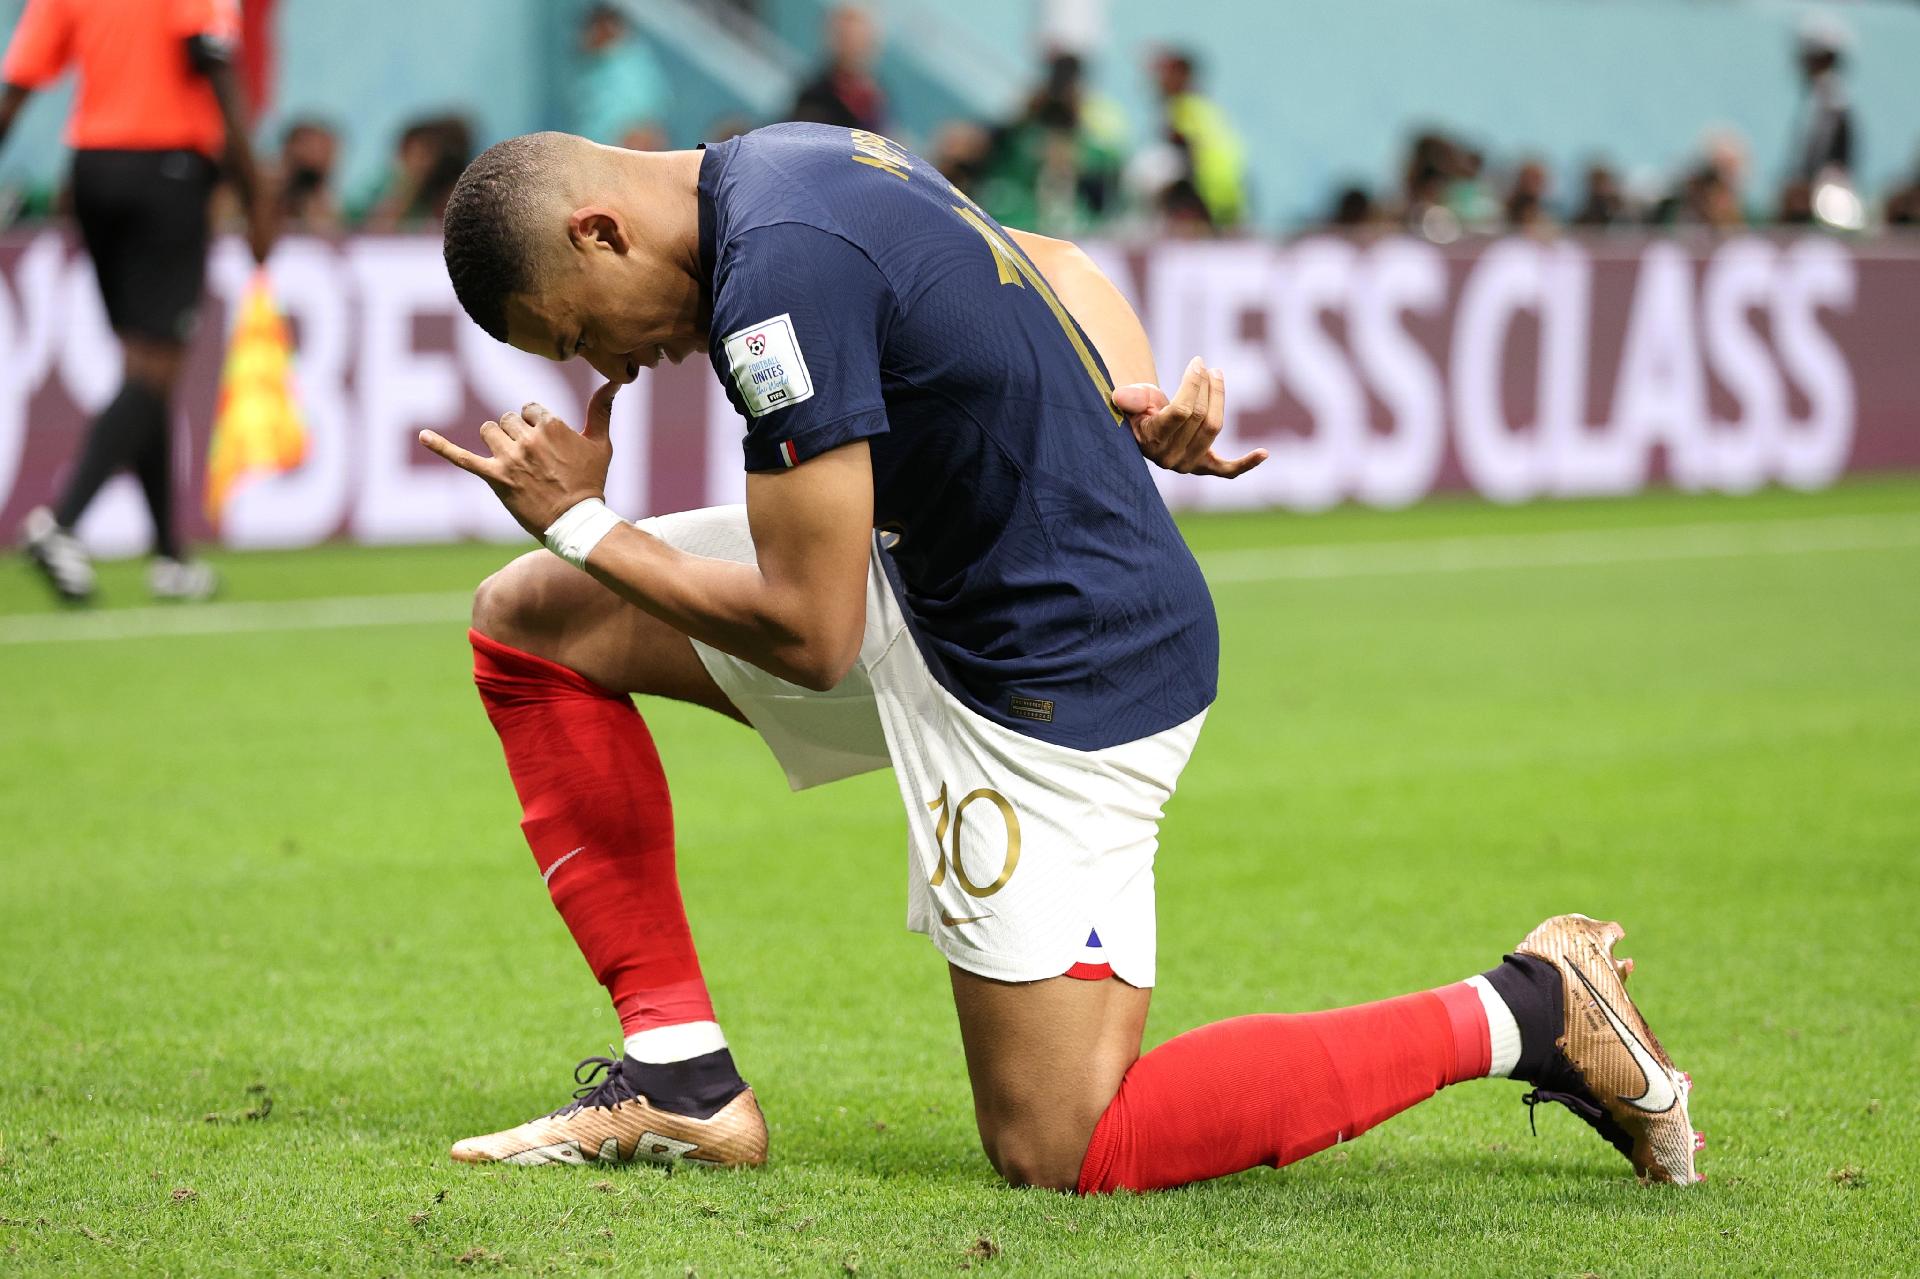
(767, 369)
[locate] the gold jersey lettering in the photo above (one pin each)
(1014, 269)
(881, 153)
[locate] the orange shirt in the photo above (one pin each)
(139, 90)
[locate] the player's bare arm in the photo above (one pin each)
(798, 613)
(1176, 433)
(12, 98)
(255, 199)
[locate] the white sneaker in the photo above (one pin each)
(59, 556)
(188, 580)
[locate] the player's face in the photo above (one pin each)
(606, 310)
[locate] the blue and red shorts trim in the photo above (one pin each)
(1092, 964)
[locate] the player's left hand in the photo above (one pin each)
(540, 467)
(1178, 434)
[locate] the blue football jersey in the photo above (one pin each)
(856, 294)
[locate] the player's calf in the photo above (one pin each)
(598, 818)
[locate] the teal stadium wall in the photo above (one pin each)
(369, 66)
(1324, 93)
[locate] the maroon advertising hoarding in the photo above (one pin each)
(1377, 372)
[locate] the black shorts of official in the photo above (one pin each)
(143, 215)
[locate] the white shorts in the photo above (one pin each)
(1025, 859)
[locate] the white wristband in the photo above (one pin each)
(574, 535)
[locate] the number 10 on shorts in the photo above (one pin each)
(952, 817)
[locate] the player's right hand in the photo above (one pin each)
(1178, 434)
(540, 467)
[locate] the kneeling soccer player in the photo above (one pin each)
(952, 560)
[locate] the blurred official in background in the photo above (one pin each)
(158, 108)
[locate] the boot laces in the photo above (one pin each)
(1579, 1105)
(1580, 1102)
(603, 1085)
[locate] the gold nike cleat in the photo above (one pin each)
(1611, 1070)
(609, 1122)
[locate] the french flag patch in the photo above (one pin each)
(789, 454)
(1092, 964)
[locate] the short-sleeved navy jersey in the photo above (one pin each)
(857, 295)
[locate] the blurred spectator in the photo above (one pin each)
(1215, 161)
(728, 127)
(1823, 146)
(960, 151)
(1183, 213)
(1903, 205)
(1709, 193)
(426, 164)
(620, 92)
(845, 92)
(1468, 194)
(1796, 205)
(1353, 209)
(1706, 199)
(1822, 159)
(1433, 163)
(1526, 207)
(1604, 204)
(309, 150)
(1056, 169)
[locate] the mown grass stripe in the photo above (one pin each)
(1414, 557)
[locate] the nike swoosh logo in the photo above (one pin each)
(547, 878)
(1659, 1096)
(951, 921)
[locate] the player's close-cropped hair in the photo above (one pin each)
(487, 236)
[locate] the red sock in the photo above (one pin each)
(600, 823)
(1273, 1089)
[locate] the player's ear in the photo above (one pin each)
(594, 227)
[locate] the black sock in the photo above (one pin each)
(697, 1087)
(1532, 990)
(154, 467)
(117, 438)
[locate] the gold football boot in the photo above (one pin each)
(609, 1121)
(1609, 1069)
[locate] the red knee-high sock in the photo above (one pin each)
(600, 823)
(1273, 1089)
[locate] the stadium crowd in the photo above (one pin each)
(1062, 163)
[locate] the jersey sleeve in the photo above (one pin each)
(42, 45)
(800, 317)
(215, 19)
(211, 29)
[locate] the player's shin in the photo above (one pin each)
(599, 819)
(1272, 1089)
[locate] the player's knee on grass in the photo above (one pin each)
(1045, 1151)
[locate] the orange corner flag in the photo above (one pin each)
(257, 427)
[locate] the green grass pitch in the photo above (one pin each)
(270, 940)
